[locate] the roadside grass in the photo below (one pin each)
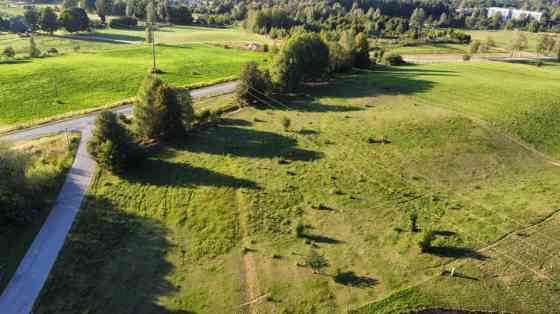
(51, 157)
(357, 159)
(41, 88)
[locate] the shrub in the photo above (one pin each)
(425, 242)
(393, 59)
(52, 51)
(286, 122)
(123, 22)
(474, 47)
(160, 112)
(466, 57)
(180, 15)
(299, 230)
(111, 145)
(254, 85)
(316, 261)
(413, 217)
(9, 52)
(34, 51)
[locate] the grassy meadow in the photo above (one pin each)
(360, 155)
(520, 99)
(49, 157)
(504, 38)
(42, 88)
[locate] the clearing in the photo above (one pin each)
(359, 156)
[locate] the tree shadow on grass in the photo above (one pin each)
(321, 239)
(392, 81)
(159, 172)
(111, 262)
(350, 278)
(245, 142)
(456, 252)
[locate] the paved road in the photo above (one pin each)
(76, 124)
(26, 284)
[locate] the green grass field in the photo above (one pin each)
(432, 49)
(51, 157)
(186, 35)
(220, 225)
(504, 38)
(521, 99)
(30, 89)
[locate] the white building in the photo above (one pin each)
(515, 14)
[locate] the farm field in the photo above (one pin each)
(52, 158)
(78, 81)
(245, 202)
(185, 35)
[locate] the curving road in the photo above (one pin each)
(28, 280)
(78, 123)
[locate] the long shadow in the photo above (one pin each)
(159, 172)
(14, 61)
(389, 81)
(310, 104)
(112, 262)
(245, 142)
(456, 252)
(321, 239)
(350, 278)
(118, 37)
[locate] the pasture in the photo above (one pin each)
(243, 203)
(504, 38)
(38, 89)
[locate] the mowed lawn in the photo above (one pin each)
(358, 158)
(42, 88)
(520, 99)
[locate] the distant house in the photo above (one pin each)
(513, 14)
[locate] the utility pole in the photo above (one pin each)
(151, 23)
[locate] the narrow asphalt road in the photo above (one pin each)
(77, 123)
(28, 280)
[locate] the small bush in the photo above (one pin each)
(316, 261)
(425, 243)
(9, 52)
(466, 57)
(299, 230)
(254, 85)
(393, 59)
(111, 145)
(413, 216)
(123, 22)
(52, 51)
(286, 122)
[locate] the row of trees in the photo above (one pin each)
(303, 57)
(161, 113)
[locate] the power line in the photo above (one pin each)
(478, 240)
